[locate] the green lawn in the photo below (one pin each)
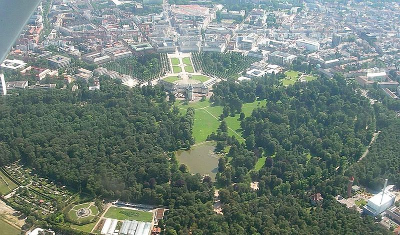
(84, 228)
(122, 214)
(248, 108)
(204, 125)
(176, 69)
(204, 122)
(360, 203)
(84, 205)
(175, 61)
(172, 79)
(292, 74)
(207, 119)
(200, 78)
(234, 122)
(308, 157)
(310, 78)
(7, 229)
(291, 78)
(6, 185)
(287, 82)
(187, 61)
(94, 210)
(260, 163)
(195, 105)
(72, 215)
(189, 69)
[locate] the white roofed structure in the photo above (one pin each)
(106, 226)
(380, 202)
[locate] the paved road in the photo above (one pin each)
(101, 217)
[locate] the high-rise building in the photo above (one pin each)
(336, 40)
(3, 86)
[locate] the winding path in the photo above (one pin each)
(376, 134)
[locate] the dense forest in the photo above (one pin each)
(311, 133)
(245, 212)
(111, 143)
(118, 143)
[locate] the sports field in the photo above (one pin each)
(127, 214)
(6, 229)
(6, 185)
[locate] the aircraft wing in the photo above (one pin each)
(14, 14)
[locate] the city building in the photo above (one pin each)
(59, 61)
(336, 40)
(281, 58)
(3, 85)
(247, 42)
(394, 214)
(194, 13)
(16, 85)
(255, 73)
(84, 74)
(96, 58)
(308, 45)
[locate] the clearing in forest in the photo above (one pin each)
(207, 120)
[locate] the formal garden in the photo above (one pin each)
(222, 65)
(144, 68)
(83, 213)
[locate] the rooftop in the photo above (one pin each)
(13, 64)
(378, 201)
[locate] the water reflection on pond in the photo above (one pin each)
(200, 159)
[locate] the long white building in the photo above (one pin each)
(308, 45)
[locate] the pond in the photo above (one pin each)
(200, 159)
